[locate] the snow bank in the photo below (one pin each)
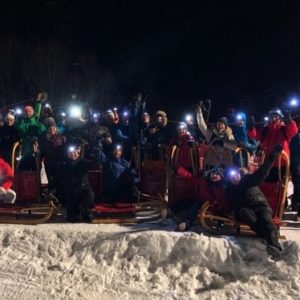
(112, 262)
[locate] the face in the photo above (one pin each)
(215, 177)
(29, 111)
(220, 126)
(275, 118)
(52, 130)
(182, 131)
(160, 120)
(10, 121)
(240, 123)
(146, 119)
(118, 153)
(73, 155)
(235, 179)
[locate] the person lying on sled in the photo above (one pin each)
(7, 195)
(210, 188)
(72, 184)
(251, 205)
(119, 178)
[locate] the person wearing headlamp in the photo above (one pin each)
(251, 205)
(71, 183)
(120, 179)
(279, 130)
(30, 130)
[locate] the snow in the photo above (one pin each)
(84, 261)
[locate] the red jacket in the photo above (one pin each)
(6, 175)
(278, 133)
(206, 191)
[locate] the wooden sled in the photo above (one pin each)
(276, 193)
(148, 209)
(33, 215)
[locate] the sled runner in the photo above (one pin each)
(148, 209)
(214, 222)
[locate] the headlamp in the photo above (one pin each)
(294, 102)
(18, 111)
(266, 119)
(71, 149)
(47, 105)
(189, 118)
(75, 112)
(239, 117)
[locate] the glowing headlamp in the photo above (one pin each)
(294, 102)
(232, 173)
(239, 117)
(63, 114)
(118, 147)
(266, 119)
(125, 114)
(18, 111)
(189, 118)
(181, 126)
(47, 105)
(95, 115)
(115, 109)
(75, 112)
(71, 149)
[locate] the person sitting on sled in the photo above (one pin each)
(7, 195)
(251, 205)
(210, 188)
(72, 184)
(119, 178)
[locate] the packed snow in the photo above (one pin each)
(84, 261)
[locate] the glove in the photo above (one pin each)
(276, 151)
(42, 97)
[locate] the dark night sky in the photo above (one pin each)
(229, 51)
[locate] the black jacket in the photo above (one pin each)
(248, 191)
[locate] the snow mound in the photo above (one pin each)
(89, 261)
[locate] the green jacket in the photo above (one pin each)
(30, 128)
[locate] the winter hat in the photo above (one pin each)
(276, 111)
(223, 120)
(182, 125)
(241, 117)
(217, 170)
(9, 115)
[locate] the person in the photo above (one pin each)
(280, 130)
(251, 205)
(242, 139)
(30, 131)
(7, 195)
(159, 135)
(119, 180)
(295, 171)
(52, 151)
(72, 186)
(8, 136)
(220, 138)
(209, 188)
(185, 142)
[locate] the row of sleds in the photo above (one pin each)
(159, 188)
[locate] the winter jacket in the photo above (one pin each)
(207, 191)
(30, 129)
(274, 134)
(116, 171)
(185, 144)
(6, 175)
(248, 191)
(52, 149)
(8, 136)
(295, 150)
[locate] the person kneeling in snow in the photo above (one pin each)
(7, 195)
(251, 205)
(119, 178)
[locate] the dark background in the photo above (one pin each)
(238, 53)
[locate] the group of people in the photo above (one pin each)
(73, 142)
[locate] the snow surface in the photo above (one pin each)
(84, 261)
